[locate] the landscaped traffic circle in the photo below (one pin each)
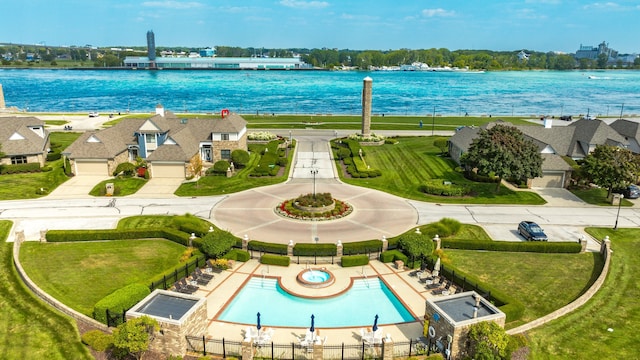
(314, 207)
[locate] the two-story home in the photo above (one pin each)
(166, 142)
(23, 140)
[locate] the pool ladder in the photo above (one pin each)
(364, 276)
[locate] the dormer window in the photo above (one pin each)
(150, 138)
(224, 137)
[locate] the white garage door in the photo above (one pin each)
(99, 167)
(548, 180)
(167, 170)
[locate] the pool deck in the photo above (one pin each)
(224, 286)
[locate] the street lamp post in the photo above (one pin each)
(314, 172)
(615, 227)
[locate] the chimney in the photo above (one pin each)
(160, 110)
(475, 312)
(366, 105)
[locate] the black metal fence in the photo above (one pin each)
(168, 280)
(115, 318)
(218, 347)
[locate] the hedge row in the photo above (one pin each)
(354, 260)
(354, 147)
(53, 156)
(270, 259)
(362, 247)
(120, 300)
(20, 168)
(513, 246)
(473, 176)
(393, 255)
(174, 235)
(237, 255)
(315, 250)
(267, 247)
(179, 271)
(440, 189)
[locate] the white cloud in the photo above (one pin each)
(439, 12)
(298, 4)
(171, 4)
(603, 6)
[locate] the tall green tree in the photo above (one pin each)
(503, 151)
(611, 167)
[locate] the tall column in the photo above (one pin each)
(2, 103)
(367, 85)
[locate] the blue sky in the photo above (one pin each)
(541, 25)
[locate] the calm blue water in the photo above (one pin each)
(326, 92)
(356, 307)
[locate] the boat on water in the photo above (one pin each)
(419, 66)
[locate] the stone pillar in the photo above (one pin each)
(606, 243)
(290, 248)
(367, 85)
(339, 248)
(20, 236)
(436, 239)
(43, 236)
(2, 103)
(387, 348)
(247, 350)
(385, 244)
(245, 243)
(583, 243)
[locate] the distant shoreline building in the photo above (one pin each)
(592, 52)
(205, 60)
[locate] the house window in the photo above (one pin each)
(21, 159)
(225, 154)
(224, 136)
(150, 138)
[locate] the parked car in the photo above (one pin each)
(566, 117)
(94, 114)
(629, 192)
(531, 231)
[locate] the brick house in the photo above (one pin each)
(23, 140)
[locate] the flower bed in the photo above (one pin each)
(288, 209)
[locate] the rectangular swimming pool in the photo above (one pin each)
(356, 307)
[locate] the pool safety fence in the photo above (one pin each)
(185, 271)
(114, 318)
(314, 259)
(462, 283)
(226, 348)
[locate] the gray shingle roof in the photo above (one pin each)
(32, 143)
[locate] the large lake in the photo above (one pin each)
(325, 92)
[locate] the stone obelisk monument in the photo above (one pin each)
(367, 84)
(2, 104)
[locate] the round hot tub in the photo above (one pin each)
(316, 278)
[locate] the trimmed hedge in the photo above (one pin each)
(354, 260)
(362, 247)
(393, 255)
(513, 246)
(267, 247)
(120, 300)
(438, 188)
(237, 255)
(174, 235)
(270, 259)
(315, 250)
(97, 340)
(20, 168)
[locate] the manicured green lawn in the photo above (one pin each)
(597, 196)
(81, 273)
(24, 186)
(123, 186)
(542, 282)
(583, 334)
(415, 160)
(217, 185)
(30, 329)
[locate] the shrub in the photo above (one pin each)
(343, 153)
(362, 247)
(217, 243)
(440, 188)
(240, 157)
(237, 255)
(53, 156)
(315, 249)
(270, 259)
(119, 301)
(319, 200)
(393, 255)
(220, 167)
(354, 260)
(282, 161)
(19, 168)
(97, 340)
(125, 168)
